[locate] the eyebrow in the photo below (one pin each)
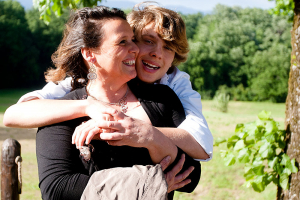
(149, 35)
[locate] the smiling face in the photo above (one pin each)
(155, 56)
(115, 58)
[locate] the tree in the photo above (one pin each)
(292, 120)
(18, 54)
(242, 49)
(45, 38)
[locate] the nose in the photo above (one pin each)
(134, 48)
(157, 52)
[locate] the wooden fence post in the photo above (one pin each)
(10, 186)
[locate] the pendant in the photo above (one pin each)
(123, 105)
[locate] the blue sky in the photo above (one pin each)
(188, 5)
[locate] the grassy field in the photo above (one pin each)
(218, 182)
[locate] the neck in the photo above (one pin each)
(107, 92)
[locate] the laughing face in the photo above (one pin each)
(155, 57)
(117, 53)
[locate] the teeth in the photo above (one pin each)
(150, 66)
(131, 62)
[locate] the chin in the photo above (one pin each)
(133, 75)
(146, 80)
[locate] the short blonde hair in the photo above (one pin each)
(168, 24)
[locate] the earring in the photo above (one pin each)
(92, 73)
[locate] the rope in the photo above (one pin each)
(18, 161)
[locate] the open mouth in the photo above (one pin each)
(150, 66)
(129, 62)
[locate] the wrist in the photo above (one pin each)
(83, 106)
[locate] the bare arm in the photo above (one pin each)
(38, 113)
(185, 141)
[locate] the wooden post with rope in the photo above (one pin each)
(11, 170)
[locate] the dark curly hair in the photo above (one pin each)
(83, 30)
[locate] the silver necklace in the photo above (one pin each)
(122, 102)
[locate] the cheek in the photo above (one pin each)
(168, 60)
(144, 50)
(171, 59)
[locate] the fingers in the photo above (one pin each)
(96, 109)
(165, 162)
(82, 134)
(111, 126)
(177, 168)
(77, 132)
(175, 181)
(179, 185)
(118, 115)
(91, 134)
(111, 136)
(179, 178)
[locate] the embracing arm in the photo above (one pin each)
(38, 113)
(185, 141)
(195, 123)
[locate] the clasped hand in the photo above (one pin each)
(116, 128)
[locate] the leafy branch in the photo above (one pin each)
(283, 8)
(260, 146)
(46, 7)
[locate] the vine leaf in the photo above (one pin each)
(243, 156)
(239, 145)
(229, 159)
(258, 184)
(264, 115)
(284, 181)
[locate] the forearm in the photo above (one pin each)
(37, 113)
(160, 146)
(185, 141)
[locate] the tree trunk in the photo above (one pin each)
(292, 121)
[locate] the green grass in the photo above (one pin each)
(10, 97)
(218, 182)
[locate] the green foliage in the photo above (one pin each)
(260, 146)
(191, 21)
(284, 8)
(248, 50)
(221, 99)
(47, 7)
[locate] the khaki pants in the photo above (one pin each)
(128, 183)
